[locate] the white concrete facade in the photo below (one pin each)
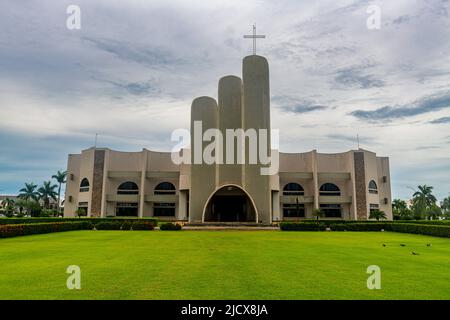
(346, 185)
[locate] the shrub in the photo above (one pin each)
(425, 229)
(108, 225)
(335, 226)
(339, 227)
(14, 230)
(81, 212)
(142, 225)
(302, 226)
(170, 226)
(126, 225)
(365, 226)
(94, 221)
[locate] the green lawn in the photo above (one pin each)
(224, 265)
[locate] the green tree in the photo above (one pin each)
(423, 200)
(34, 208)
(377, 214)
(433, 212)
(60, 177)
(9, 207)
(21, 206)
(318, 213)
(81, 212)
(400, 210)
(29, 192)
(445, 206)
(46, 192)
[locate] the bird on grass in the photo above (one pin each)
(402, 245)
(414, 253)
(428, 244)
(384, 245)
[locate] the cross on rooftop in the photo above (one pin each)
(254, 36)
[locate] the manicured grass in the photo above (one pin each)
(224, 265)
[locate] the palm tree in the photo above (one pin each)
(21, 205)
(60, 177)
(425, 194)
(318, 213)
(377, 214)
(400, 209)
(445, 206)
(9, 207)
(47, 192)
(423, 199)
(29, 192)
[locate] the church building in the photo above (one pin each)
(348, 185)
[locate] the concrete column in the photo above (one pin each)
(315, 180)
(104, 189)
(230, 117)
(203, 176)
(142, 184)
(276, 206)
(360, 186)
(256, 103)
(98, 182)
(182, 202)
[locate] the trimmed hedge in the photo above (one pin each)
(436, 231)
(322, 226)
(170, 226)
(427, 222)
(363, 227)
(126, 225)
(15, 230)
(425, 229)
(302, 226)
(94, 221)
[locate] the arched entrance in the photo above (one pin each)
(230, 204)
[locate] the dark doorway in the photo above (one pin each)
(230, 204)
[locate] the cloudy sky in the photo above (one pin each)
(132, 70)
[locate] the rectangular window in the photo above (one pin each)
(292, 210)
(374, 207)
(127, 209)
(83, 206)
(332, 210)
(161, 209)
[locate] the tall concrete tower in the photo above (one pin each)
(233, 191)
(230, 117)
(256, 115)
(203, 176)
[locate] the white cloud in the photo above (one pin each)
(133, 69)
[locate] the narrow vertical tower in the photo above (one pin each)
(230, 117)
(204, 116)
(256, 103)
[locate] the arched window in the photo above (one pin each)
(373, 188)
(128, 188)
(329, 189)
(293, 189)
(84, 185)
(165, 188)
